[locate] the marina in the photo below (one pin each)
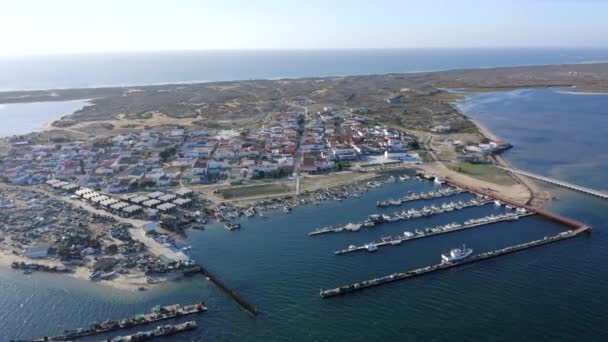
(421, 196)
(433, 231)
(447, 265)
(157, 313)
(427, 211)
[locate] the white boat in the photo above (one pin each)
(371, 247)
(351, 247)
(395, 242)
(498, 203)
(353, 227)
(457, 254)
(408, 234)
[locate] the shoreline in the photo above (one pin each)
(124, 282)
(537, 196)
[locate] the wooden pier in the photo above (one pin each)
(443, 266)
(238, 299)
(425, 235)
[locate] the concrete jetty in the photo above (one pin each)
(447, 265)
(353, 227)
(402, 238)
(421, 196)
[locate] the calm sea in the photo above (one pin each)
(96, 70)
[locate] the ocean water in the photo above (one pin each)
(21, 118)
(97, 70)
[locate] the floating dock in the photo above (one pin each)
(397, 241)
(158, 314)
(353, 227)
(443, 266)
(238, 299)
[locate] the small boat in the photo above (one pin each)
(286, 209)
(232, 226)
(371, 247)
(351, 247)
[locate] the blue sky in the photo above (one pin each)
(67, 26)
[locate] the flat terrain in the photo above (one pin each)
(417, 101)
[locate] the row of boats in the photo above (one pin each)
(375, 219)
(157, 313)
(420, 196)
(396, 240)
(161, 330)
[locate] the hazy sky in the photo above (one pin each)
(66, 26)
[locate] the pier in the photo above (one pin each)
(398, 240)
(421, 196)
(573, 224)
(353, 227)
(158, 314)
(570, 186)
(447, 265)
(238, 299)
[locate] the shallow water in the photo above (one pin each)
(21, 118)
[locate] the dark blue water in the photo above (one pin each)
(96, 70)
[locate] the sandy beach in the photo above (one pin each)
(126, 282)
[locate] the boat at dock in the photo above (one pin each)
(158, 313)
(161, 330)
(457, 254)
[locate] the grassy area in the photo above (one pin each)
(256, 190)
(485, 172)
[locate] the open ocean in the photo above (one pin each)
(102, 70)
(556, 292)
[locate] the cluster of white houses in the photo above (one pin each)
(170, 156)
(333, 136)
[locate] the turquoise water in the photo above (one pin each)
(21, 118)
(556, 292)
(121, 69)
